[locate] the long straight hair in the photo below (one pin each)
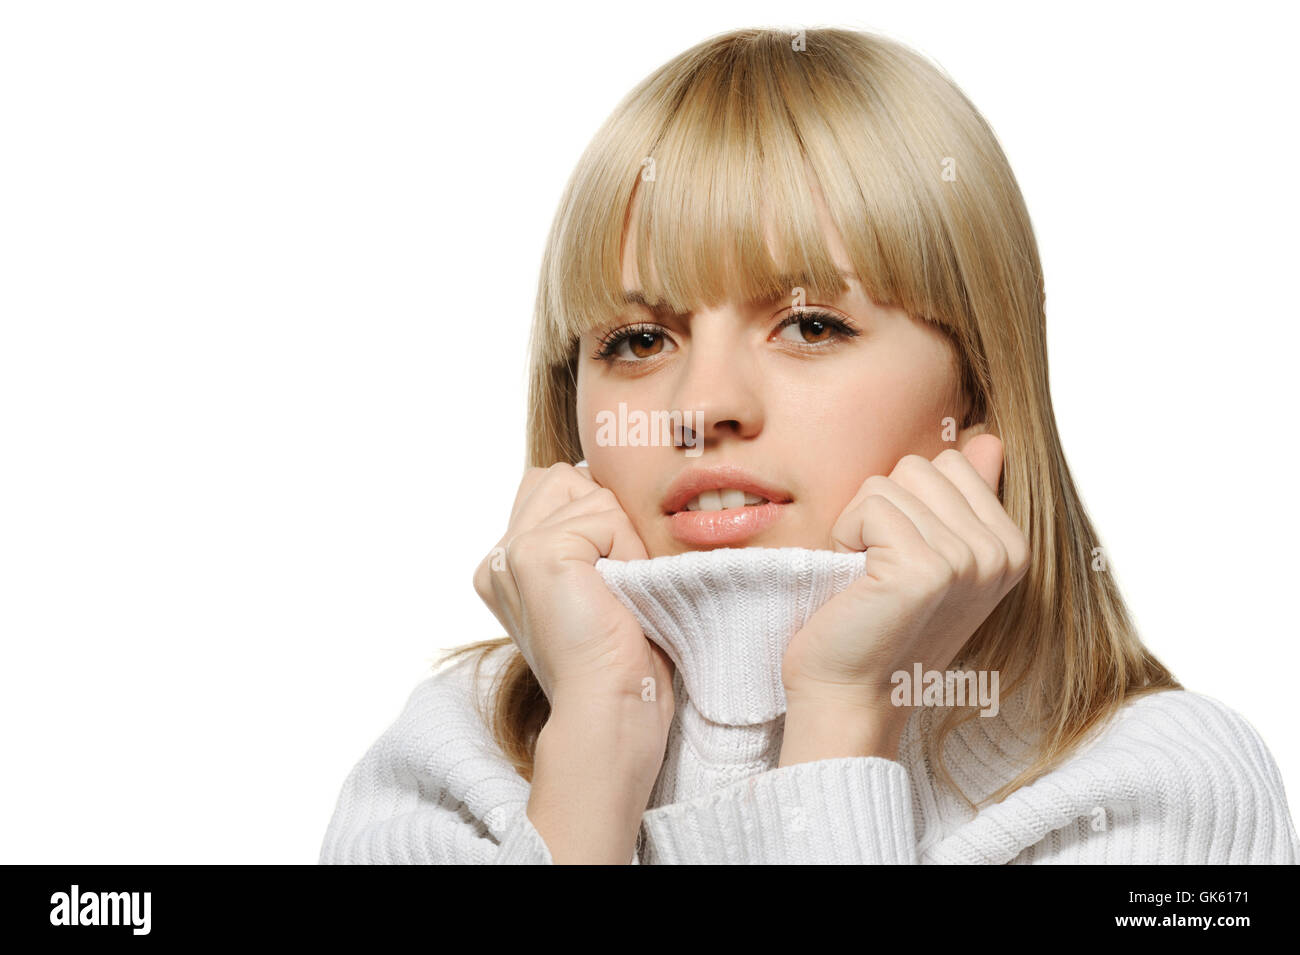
(721, 141)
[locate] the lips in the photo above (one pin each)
(708, 484)
(733, 527)
(725, 499)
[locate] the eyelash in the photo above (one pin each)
(610, 343)
(606, 347)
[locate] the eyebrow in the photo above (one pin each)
(635, 297)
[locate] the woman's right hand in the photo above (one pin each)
(541, 583)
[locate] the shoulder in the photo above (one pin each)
(1174, 777)
(441, 747)
(1189, 725)
(457, 685)
(434, 786)
(1179, 737)
(450, 711)
(1195, 770)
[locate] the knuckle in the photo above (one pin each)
(876, 484)
(965, 563)
(550, 475)
(990, 553)
(910, 463)
(487, 576)
(531, 477)
(942, 572)
(933, 573)
(528, 483)
(877, 504)
(522, 550)
(605, 497)
(1018, 555)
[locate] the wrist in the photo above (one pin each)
(617, 740)
(831, 729)
(584, 806)
(623, 697)
(591, 782)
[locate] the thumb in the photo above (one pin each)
(984, 452)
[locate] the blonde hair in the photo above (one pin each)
(731, 130)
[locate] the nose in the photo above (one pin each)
(719, 389)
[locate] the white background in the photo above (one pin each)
(266, 274)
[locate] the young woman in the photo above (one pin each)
(796, 480)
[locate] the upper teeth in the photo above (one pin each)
(722, 499)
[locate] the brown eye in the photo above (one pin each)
(634, 344)
(808, 330)
(818, 328)
(814, 330)
(645, 344)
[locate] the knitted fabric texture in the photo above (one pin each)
(730, 662)
(1176, 777)
(725, 618)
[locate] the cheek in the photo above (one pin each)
(602, 459)
(584, 405)
(627, 471)
(593, 397)
(862, 425)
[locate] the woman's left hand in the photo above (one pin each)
(941, 555)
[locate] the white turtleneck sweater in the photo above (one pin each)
(1176, 777)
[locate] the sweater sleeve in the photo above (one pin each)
(1178, 779)
(434, 789)
(850, 810)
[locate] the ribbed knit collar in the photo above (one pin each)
(725, 618)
